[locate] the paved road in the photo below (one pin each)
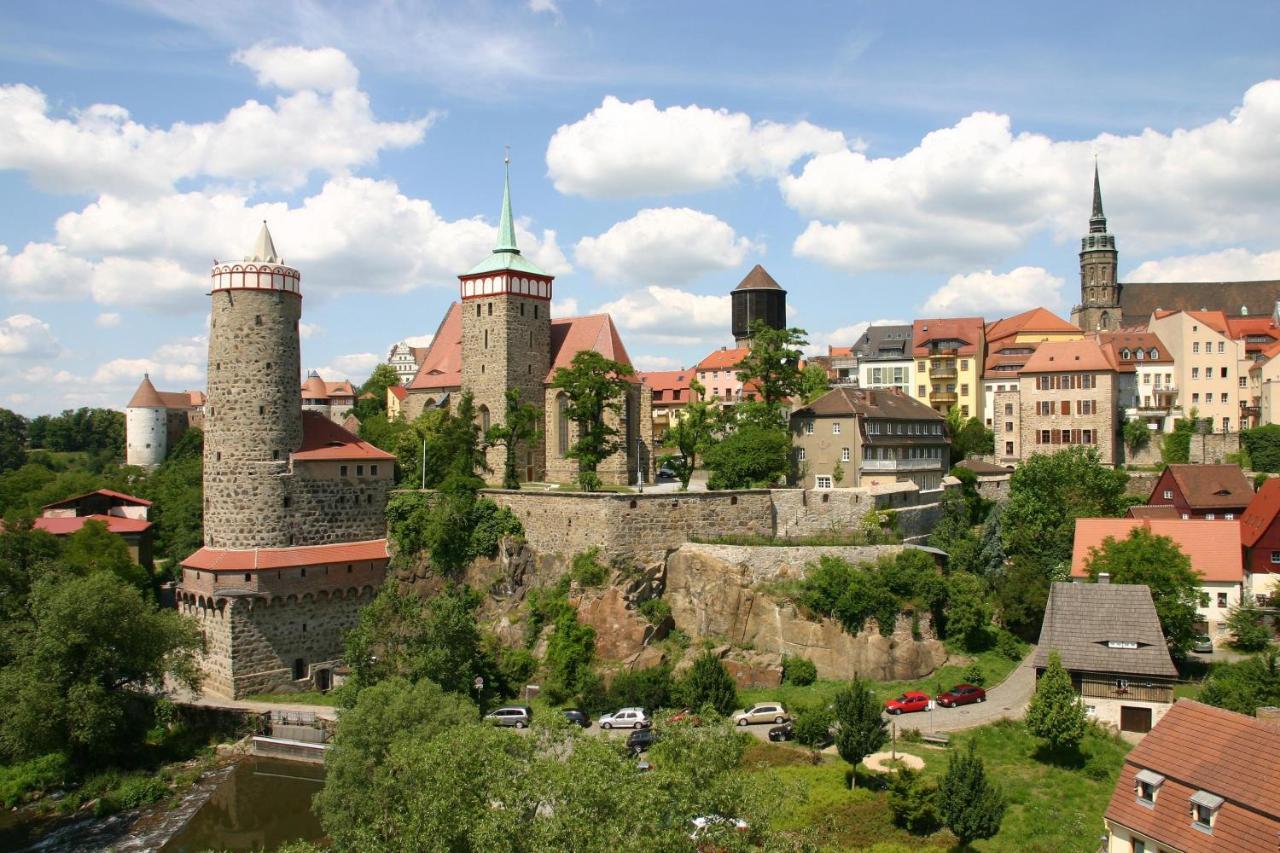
(1008, 699)
(209, 700)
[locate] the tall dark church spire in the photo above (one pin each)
(1098, 220)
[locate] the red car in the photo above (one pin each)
(962, 694)
(908, 703)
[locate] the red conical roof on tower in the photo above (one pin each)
(146, 397)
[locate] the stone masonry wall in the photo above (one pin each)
(618, 469)
(328, 507)
(254, 417)
(1212, 449)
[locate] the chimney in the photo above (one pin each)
(1268, 715)
(1104, 577)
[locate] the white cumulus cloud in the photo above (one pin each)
(292, 68)
(107, 320)
(989, 293)
(630, 149)
(668, 245)
(668, 315)
(355, 366)
(1228, 265)
(24, 336)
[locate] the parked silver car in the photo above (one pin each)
(627, 718)
(512, 715)
(762, 712)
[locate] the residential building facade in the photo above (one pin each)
(1206, 365)
(1211, 492)
(123, 515)
(406, 360)
(948, 357)
(1260, 537)
(1145, 387)
(1009, 343)
(1109, 640)
(333, 400)
(853, 437)
(1066, 396)
(669, 390)
(884, 358)
(1204, 779)
(718, 375)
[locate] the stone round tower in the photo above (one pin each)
(146, 426)
(253, 417)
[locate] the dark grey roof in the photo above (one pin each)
(868, 403)
(1138, 299)
(884, 342)
(1086, 622)
(984, 469)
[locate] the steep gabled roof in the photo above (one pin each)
(1029, 322)
(1067, 356)
(668, 386)
(1197, 747)
(1094, 626)
(970, 331)
(1211, 486)
(121, 497)
(323, 439)
(1139, 299)
(442, 367)
(758, 279)
(723, 359)
(1261, 513)
(1213, 547)
(572, 335)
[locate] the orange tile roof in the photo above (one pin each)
(1035, 320)
(1134, 340)
(1271, 351)
(838, 352)
(120, 496)
(223, 560)
(724, 359)
(66, 525)
(341, 388)
(1212, 546)
(398, 391)
(1067, 356)
(147, 397)
(1238, 327)
(572, 335)
(668, 386)
(970, 331)
(1215, 320)
(323, 439)
(442, 366)
(1261, 513)
(1200, 748)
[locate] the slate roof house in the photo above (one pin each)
(1108, 636)
(1203, 491)
(1204, 779)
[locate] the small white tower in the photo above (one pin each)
(146, 426)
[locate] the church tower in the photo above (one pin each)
(253, 415)
(1099, 308)
(506, 336)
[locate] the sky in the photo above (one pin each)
(882, 161)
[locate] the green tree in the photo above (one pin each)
(970, 438)
(1047, 493)
(860, 726)
(813, 382)
(1056, 713)
(708, 683)
(85, 673)
(570, 649)
(968, 611)
(595, 388)
(991, 558)
(1145, 558)
(1245, 686)
(751, 457)
(1021, 593)
(86, 429)
(773, 363)
(519, 426)
(692, 433)
(970, 804)
(13, 440)
(813, 729)
(954, 532)
(1175, 447)
(371, 397)
(385, 433)
(176, 490)
(1263, 446)
(1245, 622)
(914, 802)
(461, 449)
(1136, 436)
(93, 548)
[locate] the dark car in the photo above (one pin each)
(962, 694)
(577, 717)
(786, 731)
(640, 740)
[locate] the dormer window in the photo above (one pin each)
(1204, 810)
(1147, 786)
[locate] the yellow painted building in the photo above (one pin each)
(949, 357)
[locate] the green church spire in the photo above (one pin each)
(506, 228)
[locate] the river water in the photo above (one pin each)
(259, 806)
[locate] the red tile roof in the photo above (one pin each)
(1037, 320)
(1200, 748)
(1132, 341)
(220, 560)
(1215, 320)
(147, 397)
(758, 279)
(724, 359)
(1239, 327)
(398, 391)
(839, 352)
(970, 331)
(120, 496)
(323, 439)
(1211, 486)
(1212, 546)
(1161, 511)
(442, 366)
(572, 335)
(66, 525)
(668, 386)
(1260, 513)
(1068, 356)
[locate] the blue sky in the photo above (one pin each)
(883, 161)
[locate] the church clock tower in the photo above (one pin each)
(1099, 308)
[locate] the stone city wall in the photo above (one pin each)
(1141, 483)
(330, 508)
(1213, 448)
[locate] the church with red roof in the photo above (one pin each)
(500, 335)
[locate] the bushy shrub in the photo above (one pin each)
(798, 671)
(973, 674)
(852, 593)
(1008, 646)
(656, 610)
(1097, 769)
(586, 569)
(38, 774)
(708, 683)
(133, 792)
(914, 802)
(646, 688)
(489, 523)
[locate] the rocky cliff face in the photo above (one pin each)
(714, 591)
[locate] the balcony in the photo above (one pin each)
(944, 351)
(901, 464)
(942, 371)
(943, 397)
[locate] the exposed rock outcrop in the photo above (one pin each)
(714, 591)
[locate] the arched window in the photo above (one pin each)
(562, 423)
(484, 418)
(1141, 354)
(1124, 353)
(1155, 353)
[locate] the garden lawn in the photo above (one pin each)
(995, 667)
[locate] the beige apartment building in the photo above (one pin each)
(1066, 396)
(1207, 365)
(866, 437)
(949, 358)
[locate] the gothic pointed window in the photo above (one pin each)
(484, 417)
(562, 424)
